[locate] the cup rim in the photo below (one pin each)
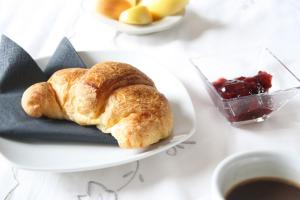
(215, 189)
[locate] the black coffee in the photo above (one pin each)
(264, 189)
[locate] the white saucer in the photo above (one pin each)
(68, 157)
(158, 26)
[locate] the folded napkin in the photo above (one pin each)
(17, 72)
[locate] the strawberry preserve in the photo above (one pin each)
(252, 107)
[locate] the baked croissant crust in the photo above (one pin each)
(116, 97)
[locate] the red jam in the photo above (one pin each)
(251, 108)
(244, 86)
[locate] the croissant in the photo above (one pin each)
(116, 97)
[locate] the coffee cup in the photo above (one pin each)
(241, 167)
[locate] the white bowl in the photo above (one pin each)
(158, 26)
(244, 166)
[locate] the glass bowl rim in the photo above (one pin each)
(210, 85)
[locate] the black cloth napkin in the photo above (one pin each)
(17, 72)
(65, 56)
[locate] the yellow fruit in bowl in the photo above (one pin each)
(113, 8)
(163, 8)
(138, 15)
(133, 2)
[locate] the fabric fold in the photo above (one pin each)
(17, 69)
(65, 56)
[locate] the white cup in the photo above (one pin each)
(244, 166)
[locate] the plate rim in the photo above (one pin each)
(137, 157)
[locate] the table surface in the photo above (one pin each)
(209, 27)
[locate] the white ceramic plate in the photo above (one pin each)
(66, 157)
(161, 25)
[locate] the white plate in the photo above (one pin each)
(158, 26)
(66, 157)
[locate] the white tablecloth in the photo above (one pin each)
(184, 172)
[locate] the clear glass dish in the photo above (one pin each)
(252, 108)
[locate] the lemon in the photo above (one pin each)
(163, 8)
(138, 15)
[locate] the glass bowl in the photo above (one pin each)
(252, 108)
